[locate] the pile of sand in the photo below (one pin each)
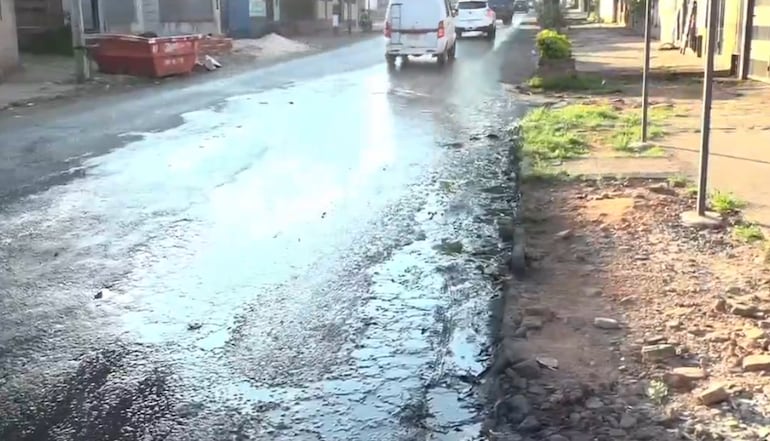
(271, 45)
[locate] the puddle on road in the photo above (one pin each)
(424, 311)
(426, 317)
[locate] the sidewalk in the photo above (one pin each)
(43, 78)
(619, 51)
(740, 135)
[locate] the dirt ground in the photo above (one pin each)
(631, 326)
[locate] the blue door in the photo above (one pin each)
(241, 25)
(238, 19)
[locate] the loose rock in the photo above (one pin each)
(714, 394)
(755, 333)
(627, 422)
(594, 403)
(658, 352)
(532, 322)
(743, 310)
(528, 369)
(606, 323)
(102, 293)
(593, 291)
(688, 374)
(755, 363)
(520, 404)
(530, 424)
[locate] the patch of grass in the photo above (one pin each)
(691, 191)
(629, 129)
(657, 391)
(543, 172)
(654, 152)
(679, 181)
(566, 83)
(748, 233)
(725, 203)
(552, 134)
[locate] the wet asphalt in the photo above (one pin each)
(296, 253)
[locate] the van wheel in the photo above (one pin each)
(441, 59)
(491, 34)
(459, 34)
(390, 59)
(452, 53)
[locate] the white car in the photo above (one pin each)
(420, 28)
(476, 16)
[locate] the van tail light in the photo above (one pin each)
(388, 29)
(441, 32)
(490, 13)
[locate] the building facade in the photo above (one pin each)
(9, 49)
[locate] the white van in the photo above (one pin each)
(418, 28)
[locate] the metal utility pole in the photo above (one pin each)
(82, 65)
(705, 131)
(646, 69)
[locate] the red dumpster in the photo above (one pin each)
(156, 57)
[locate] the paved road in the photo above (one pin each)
(265, 256)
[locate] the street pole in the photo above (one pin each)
(82, 65)
(646, 69)
(705, 131)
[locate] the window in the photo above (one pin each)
(472, 5)
(175, 11)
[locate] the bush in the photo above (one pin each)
(553, 45)
(564, 83)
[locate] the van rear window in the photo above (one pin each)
(471, 5)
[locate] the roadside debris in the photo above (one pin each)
(271, 45)
(693, 359)
(209, 63)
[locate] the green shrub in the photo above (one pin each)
(553, 45)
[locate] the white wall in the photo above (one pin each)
(606, 10)
(9, 45)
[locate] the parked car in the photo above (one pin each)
(415, 28)
(503, 10)
(476, 16)
(520, 6)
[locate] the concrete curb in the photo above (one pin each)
(518, 262)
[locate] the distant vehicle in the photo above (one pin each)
(503, 10)
(420, 28)
(520, 6)
(476, 16)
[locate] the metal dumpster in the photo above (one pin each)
(155, 57)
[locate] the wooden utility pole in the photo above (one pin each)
(82, 65)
